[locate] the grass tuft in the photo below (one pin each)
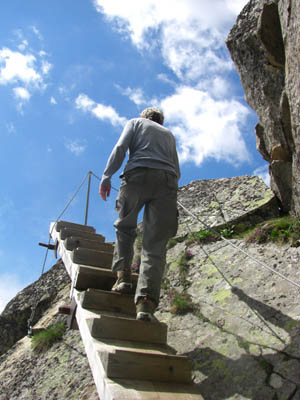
(180, 303)
(280, 230)
(43, 340)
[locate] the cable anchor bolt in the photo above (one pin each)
(51, 246)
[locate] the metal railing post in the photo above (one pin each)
(88, 198)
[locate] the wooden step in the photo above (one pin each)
(73, 242)
(97, 278)
(147, 366)
(66, 232)
(130, 389)
(64, 224)
(94, 278)
(108, 301)
(91, 257)
(117, 328)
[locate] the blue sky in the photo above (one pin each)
(72, 73)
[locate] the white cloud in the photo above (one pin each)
(83, 102)
(100, 111)
(220, 87)
(191, 33)
(37, 32)
(10, 285)
(166, 79)
(18, 67)
(263, 173)
(206, 127)
(191, 36)
(21, 93)
(23, 96)
(76, 147)
(52, 100)
(45, 67)
(23, 45)
(137, 96)
(25, 69)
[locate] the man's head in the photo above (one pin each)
(153, 113)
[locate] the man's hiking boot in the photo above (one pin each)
(124, 283)
(145, 309)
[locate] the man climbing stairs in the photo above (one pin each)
(129, 359)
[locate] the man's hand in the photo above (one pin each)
(104, 191)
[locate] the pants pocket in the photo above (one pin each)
(135, 177)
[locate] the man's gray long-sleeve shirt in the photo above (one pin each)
(150, 145)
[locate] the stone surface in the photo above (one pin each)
(243, 328)
(14, 318)
(242, 334)
(218, 201)
(264, 44)
(62, 372)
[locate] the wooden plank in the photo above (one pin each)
(129, 389)
(94, 278)
(110, 327)
(152, 348)
(91, 257)
(64, 224)
(97, 278)
(147, 366)
(108, 301)
(73, 242)
(66, 232)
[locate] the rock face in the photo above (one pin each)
(218, 201)
(14, 318)
(264, 44)
(241, 329)
(60, 373)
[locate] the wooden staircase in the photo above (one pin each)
(129, 359)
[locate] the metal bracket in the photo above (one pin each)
(51, 246)
(70, 310)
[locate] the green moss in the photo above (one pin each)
(218, 364)
(290, 325)
(242, 227)
(266, 366)
(208, 282)
(221, 295)
(173, 266)
(243, 344)
(171, 243)
(209, 269)
(214, 204)
(235, 281)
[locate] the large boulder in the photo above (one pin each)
(264, 45)
(215, 202)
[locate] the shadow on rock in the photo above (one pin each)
(270, 375)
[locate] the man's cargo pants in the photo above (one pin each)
(155, 189)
